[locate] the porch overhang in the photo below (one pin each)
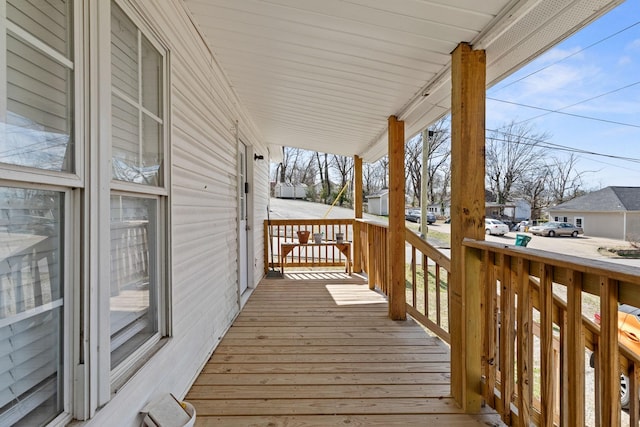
(326, 75)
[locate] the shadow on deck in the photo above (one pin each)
(317, 349)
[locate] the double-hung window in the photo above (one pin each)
(37, 173)
(138, 197)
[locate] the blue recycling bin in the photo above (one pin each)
(522, 239)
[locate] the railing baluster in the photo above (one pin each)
(575, 352)
(438, 305)
(634, 403)
(525, 338)
(609, 366)
(414, 284)
(425, 283)
(547, 357)
(507, 301)
(489, 327)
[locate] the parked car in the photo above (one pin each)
(629, 335)
(414, 215)
(554, 228)
(431, 218)
(495, 227)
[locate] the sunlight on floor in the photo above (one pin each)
(354, 295)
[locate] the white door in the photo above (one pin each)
(242, 218)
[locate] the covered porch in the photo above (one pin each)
(318, 349)
(321, 347)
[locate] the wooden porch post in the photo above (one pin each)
(396, 236)
(357, 208)
(468, 70)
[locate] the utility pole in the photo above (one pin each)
(424, 196)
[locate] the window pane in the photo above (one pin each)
(31, 306)
(38, 128)
(134, 285)
(125, 141)
(49, 21)
(152, 152)
(151, 78)
(137, 145)
(124, 53)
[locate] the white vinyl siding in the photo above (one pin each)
(204, 211)
(189, 239)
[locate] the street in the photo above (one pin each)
(583, 246)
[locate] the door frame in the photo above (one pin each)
(245, 237)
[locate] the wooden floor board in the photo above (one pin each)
(323, 352)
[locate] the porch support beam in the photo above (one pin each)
(468, 78)
(396, 235)
(357, 208)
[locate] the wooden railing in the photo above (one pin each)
(374, 261)
(427, 277)
(428, 286)
(537, 321)
(278, 231)
(540, 378)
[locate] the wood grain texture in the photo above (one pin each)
(396, 242)
(324, 353)
(468, 86)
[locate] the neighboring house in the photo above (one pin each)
(612, 212)
(286, 190)
(515, 211)
(519, 210)
(378, 203)
(440, 210)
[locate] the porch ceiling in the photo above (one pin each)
(326, 74)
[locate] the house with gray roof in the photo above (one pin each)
(612, 212)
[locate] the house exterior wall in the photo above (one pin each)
(596, 224)
(204, 232)
(378, 205)
(196, 291)
(632, 232)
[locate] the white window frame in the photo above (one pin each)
(70, 185)
(109, 380)
(70, 268)
(74, 178)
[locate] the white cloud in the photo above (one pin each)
(633, 46)
(625, 60)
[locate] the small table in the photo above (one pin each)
(343, 247)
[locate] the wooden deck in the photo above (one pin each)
(322, 352)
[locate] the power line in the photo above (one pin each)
(551, 145)
(569, 56)
(559, 110)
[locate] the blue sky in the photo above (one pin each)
(583, 81)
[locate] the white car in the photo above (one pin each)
(495, 227)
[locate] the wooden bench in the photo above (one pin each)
(344, 248)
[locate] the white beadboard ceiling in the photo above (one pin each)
(325, 75)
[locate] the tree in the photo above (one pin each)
(413, 167)
(533, 190)
(323, 169)
(438, 153)
(438, 168)
(512, 153)
(344, 166)
(564, 181)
